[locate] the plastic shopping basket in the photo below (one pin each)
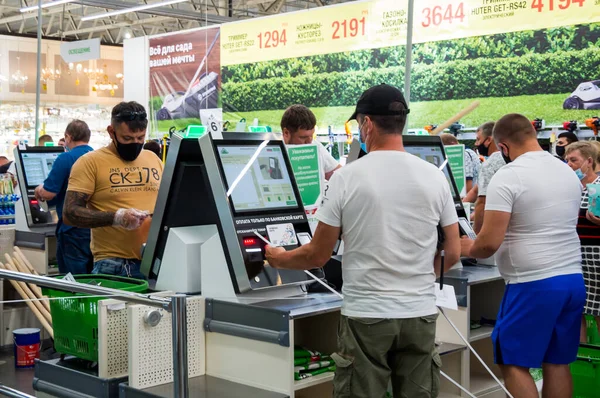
(586, 372)
(75, 320)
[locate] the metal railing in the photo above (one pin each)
(11, 392)
(176, 305)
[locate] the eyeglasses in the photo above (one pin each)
(131, 116)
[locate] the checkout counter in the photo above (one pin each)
(34, 233)
(214, 196)
(35, 222)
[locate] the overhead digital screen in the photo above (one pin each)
(262, 185)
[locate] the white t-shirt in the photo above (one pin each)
(388, 205)
(543, 196)
(328, 162)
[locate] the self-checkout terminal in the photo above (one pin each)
(33, 164)
(431, 149)
(35, 221)
(215, 194)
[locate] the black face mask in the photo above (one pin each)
(483, 150)
(505, 157)
(560, 151)
(128, 152)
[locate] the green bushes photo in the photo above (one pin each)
(505, 45)
(496, 77)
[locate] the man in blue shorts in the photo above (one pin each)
(530, 224)
(73, 252)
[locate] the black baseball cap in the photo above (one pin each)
(384, 100)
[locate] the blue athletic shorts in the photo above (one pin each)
(539, 322)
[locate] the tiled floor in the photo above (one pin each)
(19, 379)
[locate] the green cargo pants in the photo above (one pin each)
(371, 351)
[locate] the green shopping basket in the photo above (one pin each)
(586, 372)
(75, 320)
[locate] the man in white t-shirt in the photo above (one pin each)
(298, 128)
(530, 224)
(387, 206)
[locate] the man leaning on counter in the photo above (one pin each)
(387, 328)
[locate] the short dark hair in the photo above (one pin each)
(387, 124)
(153, 146)
(44, 139)
(486, 129)
(571, 137)
(132, 114)
(298, 117)
(515, 128)
(448, 139)
(79, 131)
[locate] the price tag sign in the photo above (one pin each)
(344, 27)
(213, 120)
(446, 298)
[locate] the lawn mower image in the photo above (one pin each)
(181, 105)
(202, 93)
(585, 96)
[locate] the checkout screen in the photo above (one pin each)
(265, 185)
(37, 166)
(435, 156)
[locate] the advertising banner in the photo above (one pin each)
(347, 27)
(184, 77)
(537, 57)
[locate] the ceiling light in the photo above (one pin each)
(46, 5)
(127, 33)
(132, 9)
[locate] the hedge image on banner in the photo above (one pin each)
(539, 58)
(184, 78)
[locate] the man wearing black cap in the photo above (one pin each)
(387, 206)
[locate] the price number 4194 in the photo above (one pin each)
(436, 15)
(562, 4)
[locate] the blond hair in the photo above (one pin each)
(586, 149)
(596, 144)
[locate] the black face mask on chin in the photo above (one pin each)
(128, 152)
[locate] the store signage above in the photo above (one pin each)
(383, 23)
(79, 51)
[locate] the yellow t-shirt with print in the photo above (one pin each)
(113, 184)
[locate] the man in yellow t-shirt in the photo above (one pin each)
(113, 191)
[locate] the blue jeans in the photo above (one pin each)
(73, 252)
(120, 267)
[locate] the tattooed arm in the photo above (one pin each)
(76, 213)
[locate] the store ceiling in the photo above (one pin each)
(64, 21)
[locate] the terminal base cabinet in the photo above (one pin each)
(270, 366)
(483, 300)
(186, 248)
